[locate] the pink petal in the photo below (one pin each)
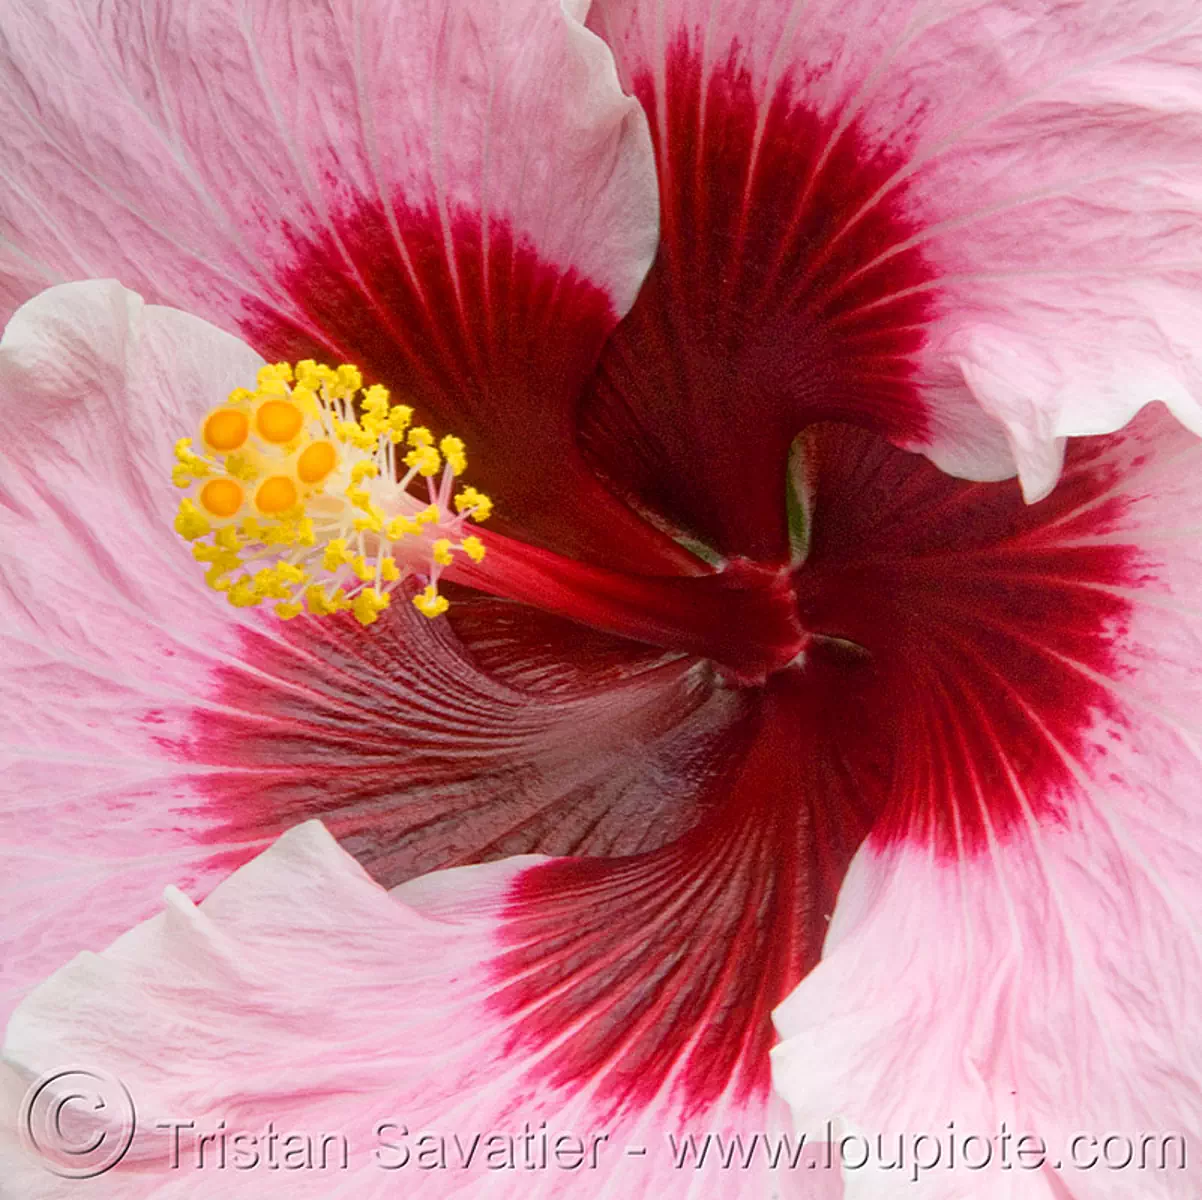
(151, 733)
(107, 629)
(970, 228)
(301, 992)
(711, 818)
(456, 196)
(225, 131)
(1019, 941)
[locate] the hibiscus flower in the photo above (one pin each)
(830, 672)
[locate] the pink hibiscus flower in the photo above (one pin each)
(777, 710)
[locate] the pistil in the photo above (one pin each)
(312, 495)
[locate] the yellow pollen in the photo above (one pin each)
(276, 495)
(368, 605)
(425, 460)
(470, 500)
(349, 499)
(279, 421)
(453, 451)
(190, 523)
(316, 461)
(226, 430)
(430, 604)
(221, 497)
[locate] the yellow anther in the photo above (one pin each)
(307, 374)
(398, 527)
(375, 400)
(278, 535)
(349, 379)
(454, 452)
(327, 490)
(269, 585)
(276, 494)
(226, 430)
(368, 605)
(279, 421)
(469, 498)
(399, 417)
(189, 466)
(372, 523)
(425, 460)
(273, 378)
(322, 605)
(335, 555)
(429, 603)
(244, 594)
(221, 497)
(316, 462)
(353, 432)
(215, 576)
(227, 538)
(306, 400)
(190, 523)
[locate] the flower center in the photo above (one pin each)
(312, 495)
(308, 496)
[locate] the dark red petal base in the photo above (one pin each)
(492, 345)
(957, 639)
(957, 642)
(766, 308)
